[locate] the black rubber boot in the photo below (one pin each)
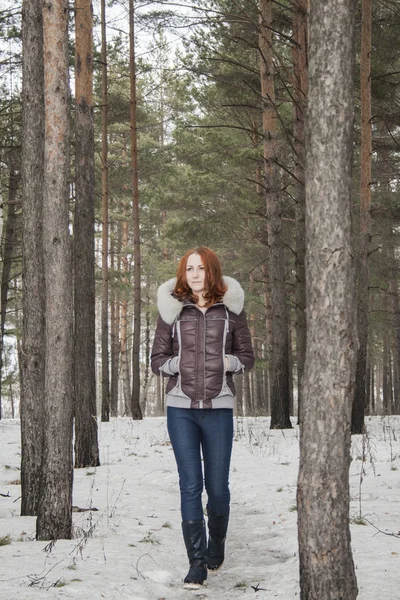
(217, 528)
(194, 534)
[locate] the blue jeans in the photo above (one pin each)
(210, 430)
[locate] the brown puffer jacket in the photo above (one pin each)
(190, 347)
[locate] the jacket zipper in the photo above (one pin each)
(204, 362)
(201, 402)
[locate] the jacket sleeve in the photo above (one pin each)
(163, 360)
(242, 357)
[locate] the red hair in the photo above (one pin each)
(215, 287)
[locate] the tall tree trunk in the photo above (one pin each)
(32, 355)
(357, 418)
(378, 388)
(396, 317)
(385, 375)
(246, 395)
(114, 337)
(105, 377)
(368, 389)
(326, 563)
(260, 399)
(135, 402)
(390, 368)
(267, 345)
(54, 519)
(255, 396)
(147, 345)
(86, 443)
(279, 367)
(159, 408)
(372, 384)
(8, 250)
(300, 68)
(239, 396)
(124, 320)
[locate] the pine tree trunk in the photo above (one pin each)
(385, 375)
(326, 563)
(124, 322)
(255, 395)
(378, 389)
(239, 396)
(357, 419)
(368, 389)
(261, 406)
(105, 377)
(114, 337)
(372, 384)
(8, 251)
(279, 368)
(267, 345)
(147, 346)
(135, 401)
(300, 67)
(246, 395)
(86, 444)
(54, 518)
(32, 355)
(291, 403)
(390, 369)
(396, 315)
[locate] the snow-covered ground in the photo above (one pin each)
(131, 546)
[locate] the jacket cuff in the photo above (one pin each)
(170, 367)
(235, 366)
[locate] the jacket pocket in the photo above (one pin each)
(177, 390)
(225, 390)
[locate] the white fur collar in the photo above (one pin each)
(170, 308)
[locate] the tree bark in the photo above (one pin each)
(124, 321)
(372, 387)
(54, 518)
(105, 370)
(114, 335)
(147, 346)
(239, 397)
(358, 410)
(267, 345)
(368, 388)
(32, 355)
(279, 367)
(135, 401)
(8, 251)
(247, 409)
(326, 563)
(300, 68)
(378, 388)
(86, 443)
(386, 391)
(394, 289)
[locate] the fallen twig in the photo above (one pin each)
(396, 535)
(79, 509)
(257, 588)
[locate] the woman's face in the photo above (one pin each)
(196, 274)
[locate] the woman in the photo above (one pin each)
(201, 339)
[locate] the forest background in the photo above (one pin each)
(200, 153)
